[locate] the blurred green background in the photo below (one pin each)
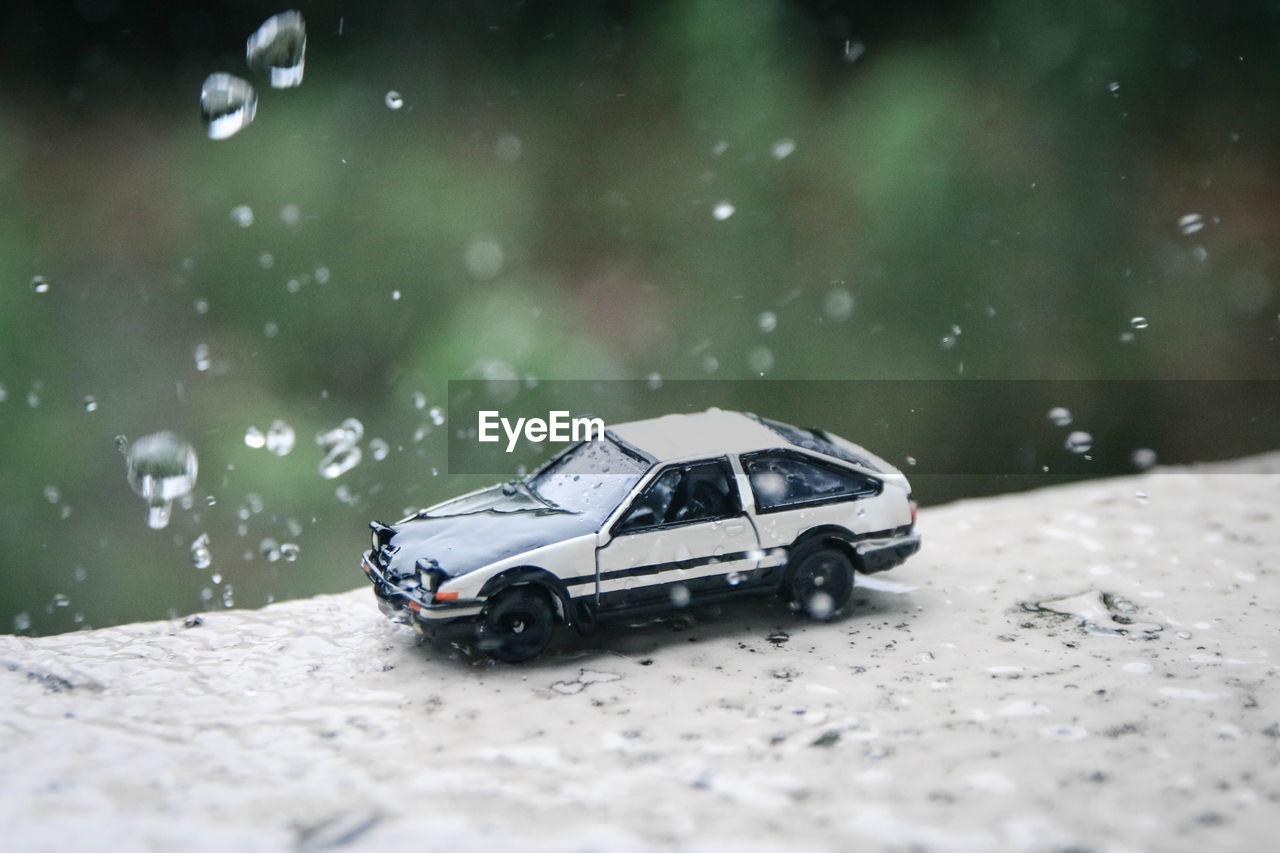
(690, 189)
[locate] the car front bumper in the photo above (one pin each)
(428, 617)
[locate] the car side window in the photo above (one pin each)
(682, 494)
(781, 479)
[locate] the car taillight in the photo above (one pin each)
(913, 510)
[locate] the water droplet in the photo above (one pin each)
(419, 400)
(947, 342)
(322, 275)
(1142, 497)
(1060, 416)
(122, 445)
(1144, 458)
(768, 321)
(838, 304)
(201, 306)
(733, 578)
(760, 360)
(279, 47)
(289, 551)
(1079, 441)
(437, 415)
(508, 148)
(254, 438)
(40, 284)
(90, 403)
(483, 257)
(1191, 223)
(161, 468)
(22, 622)
(394, 100)
(227, 105)
(271, 329)
(216, 577)
(820, 605)
(266, 260)
(201, 557)
(242, 215)
(723, 210)
(680, 595)
(395, 296)
(1139, 322)
(201, 356)
(1114, 88)
(343, 448)
(52, 495)
(280, 438)
(783, 148)
(270, 549)
(379, 449)
(33, 398)
(654, 381)
(853, 50)
(291, 215)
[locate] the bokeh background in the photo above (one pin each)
(663, 190)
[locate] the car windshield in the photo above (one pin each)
(591, 478)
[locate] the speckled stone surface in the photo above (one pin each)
(1079, 668)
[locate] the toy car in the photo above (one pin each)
(657, 515)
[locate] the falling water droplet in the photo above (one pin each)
(22, 622)
(161, 468)
(40, 284)
(201, 557)
(723, 210)
(1079, 441)
(680, 595)
(242, 215)
(1060, 416)
(1144, 458)
(1139, 322)
(289, 551)
(254, 438)
(394, 100)
(343, 448)
(270, 549)
(838, 304)
(483, 257)
(280, 48)
(227, 104)
(280, 438)
(437, 415)
(768, 321)
(90, 403)
(1191, 223)
(379, 449)
(201, 356)
(783, 148)
(1114, 88)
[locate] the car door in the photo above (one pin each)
(684, 535)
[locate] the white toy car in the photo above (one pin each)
(660, 514)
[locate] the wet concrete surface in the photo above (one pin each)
(1091, 667)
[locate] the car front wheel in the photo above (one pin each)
(819, 580)
(516, 625)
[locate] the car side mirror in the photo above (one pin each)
(638, 518)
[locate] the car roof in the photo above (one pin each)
(714, 432)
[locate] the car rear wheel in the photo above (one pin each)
(516, 625)
(819, 580)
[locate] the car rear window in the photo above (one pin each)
(812, 440)
(782, 479)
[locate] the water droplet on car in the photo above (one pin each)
(1079, 441)
(40, 284)
(227, 105)
(1139, 322)
(279, 47)
(254, 438)
(280, 438)
(733, 578)
(680, 595)
(161, 468)
(723, 210)
(242, 215)
(201, 557)
(783, 148)
(1191, 223)
(1059, 416)
(393, 100)
(767, 321)
(1143, 458)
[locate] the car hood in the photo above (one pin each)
(472, 531)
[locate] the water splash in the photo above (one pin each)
(279, 47)
(227, 104)
(342, 446)
(161, 468)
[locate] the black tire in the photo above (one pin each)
(516, 625)
(819, 580)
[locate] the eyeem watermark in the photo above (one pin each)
(558, 426)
